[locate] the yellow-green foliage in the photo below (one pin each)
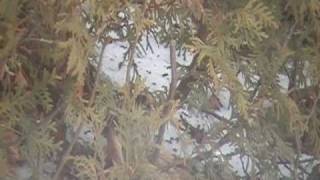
(49, 58)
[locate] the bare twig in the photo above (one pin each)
(67, 153)
(244, 167)
(131, 54)
(218, 117)
(183, 89)
(255, 91)
(296, 163)
(49, 117)
(314, 107)
(300, 161)
(290, 33)
(99, 66)
(286, 163)
(172, 91)
(48, 41)
(174, 77)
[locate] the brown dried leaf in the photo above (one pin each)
(20, 79)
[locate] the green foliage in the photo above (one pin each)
(39, 142)
(48, 55)
(252, 22)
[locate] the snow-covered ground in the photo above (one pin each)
(153, 67)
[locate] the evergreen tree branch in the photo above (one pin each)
(67, 153)
(183, 88)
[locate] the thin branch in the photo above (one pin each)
(244, 167)
(296, 163)
(172, 91)
(183, 88)
(81, 123)
(132, 49)
(48, 41)
(255, 91)
(174, 76)
(290, 33)
(61, 104)
(218, 117)
(67, 153)
(300, 161)
(314, 107)
(286, 163)
(99, 66)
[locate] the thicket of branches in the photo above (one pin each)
(51, 83)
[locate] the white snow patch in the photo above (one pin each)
(283, 82)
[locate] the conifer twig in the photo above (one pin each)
(172, 91)
(174, 76)
(296, 163)
(131, 54)
(60, 105)
(290, 34)
(42, 40)
(81, 123)
(219, 117)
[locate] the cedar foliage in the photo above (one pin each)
(51, 82)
